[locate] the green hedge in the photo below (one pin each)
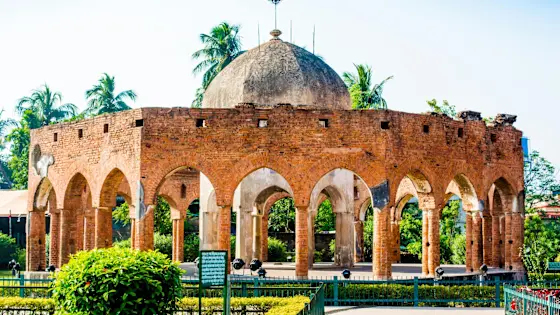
(266, 305)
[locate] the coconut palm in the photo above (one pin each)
(221, 46)
(364, 96)
(46, 105)
(102, 99)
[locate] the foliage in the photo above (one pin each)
(282, 217)
(363, 95)
(4, 170)
(221, 46)
(540, 181)
(445, 108)
(35, 305)
(121, 214)
(20, 138)
(458, 250)
(118, 281)
(332, 247)
(411, 229)
(163, 244)
(368, 234)
(191, 247)
(326, 219)
(47, 249)
(8, 246)
(45, 104)
(277, 250)
(267, 305)
(102, 99)
(232, 241)
(162, 217)
(541, 245)
(123, 244)
(450, 246)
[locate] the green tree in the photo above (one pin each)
(20, 138)
(221, 46)
(46, 105)
(411, 229)
(449, 233)
(162, 216)
(282, 216)
(368, 234)
(102, 99)
(4, 169)
(541, 245)
(540, 181)
(326, 219)
(363, 94)
(445, 108)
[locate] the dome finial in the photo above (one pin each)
(275, 2)
(276, 34)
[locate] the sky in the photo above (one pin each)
(499, 56)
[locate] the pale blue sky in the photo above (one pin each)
(488, 56)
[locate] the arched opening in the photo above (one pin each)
(43, 249)
(461, 196)
(76, 219)
(113, 216)
(263, 217)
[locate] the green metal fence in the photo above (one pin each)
(22, 287)
(528, 303)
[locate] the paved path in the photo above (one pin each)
(412, 311)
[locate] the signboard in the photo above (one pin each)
(554, 266)
(213, 268)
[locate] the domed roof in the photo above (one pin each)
(277, 72)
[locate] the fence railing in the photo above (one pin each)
(336, 292)
(316, 305)
(527, 302)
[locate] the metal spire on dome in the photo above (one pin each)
(275, 32)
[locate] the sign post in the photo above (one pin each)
(212, 272)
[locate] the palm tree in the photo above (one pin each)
(4, 170)
(102, 99)
(45, 104)
(221, 47)
(364, 96)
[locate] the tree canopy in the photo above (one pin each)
(363, 94)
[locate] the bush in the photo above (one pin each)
(20, 257)
(118, 281)
(35, 305)
(8, 247)
(277, 250)
(267, 305)
(123, 244)
(191, 247)
(164, 244)
(458, 248)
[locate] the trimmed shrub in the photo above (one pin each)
(266, 305)
(118, 281)
(8, 247)
(35, 305)
(163, 244)
(191, 247)
(123, 244)
(277, 250)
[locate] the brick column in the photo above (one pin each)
(67, 236)
(36, 255)
(103, 227)
(144, 230)
(507, 243)
(178, 253)
(89, 229)
(476, 241)
(487, 240)
(434, 241)
(469, 242)
(425, 241)
(311, 238)
(381, 263)
(302, 242)
(264, 238)
(395, 242)
(79, 234)
(503, 241)
(224, 230)
(54, 250)
(496, 240)
(517, 226)
(359, 241)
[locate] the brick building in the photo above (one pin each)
(276, 123)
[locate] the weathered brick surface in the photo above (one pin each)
(146, 146)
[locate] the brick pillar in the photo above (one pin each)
(381, 263)
(394, 242)
(507, 243)
(434, 241)
(487, 240)
(469, 242)
(133, 234)
(79, 238)
(476, 241)
(311, 238)
(503, 241)
(496, 240)
(54, 251)
(224, 230)
(144, 230)
(302, 242)
(89, 230)
(425, 254)
(264, 239)
(67, 236)
(36, 254)
(103, 227)
(359, 241)
(178, 239)
(517, 226)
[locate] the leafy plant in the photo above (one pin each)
(282, 216)
(363, 94)
(326, 219)
(102, 99)
(118, 281)
(191, 247)
(8, 246)
(277, 250)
